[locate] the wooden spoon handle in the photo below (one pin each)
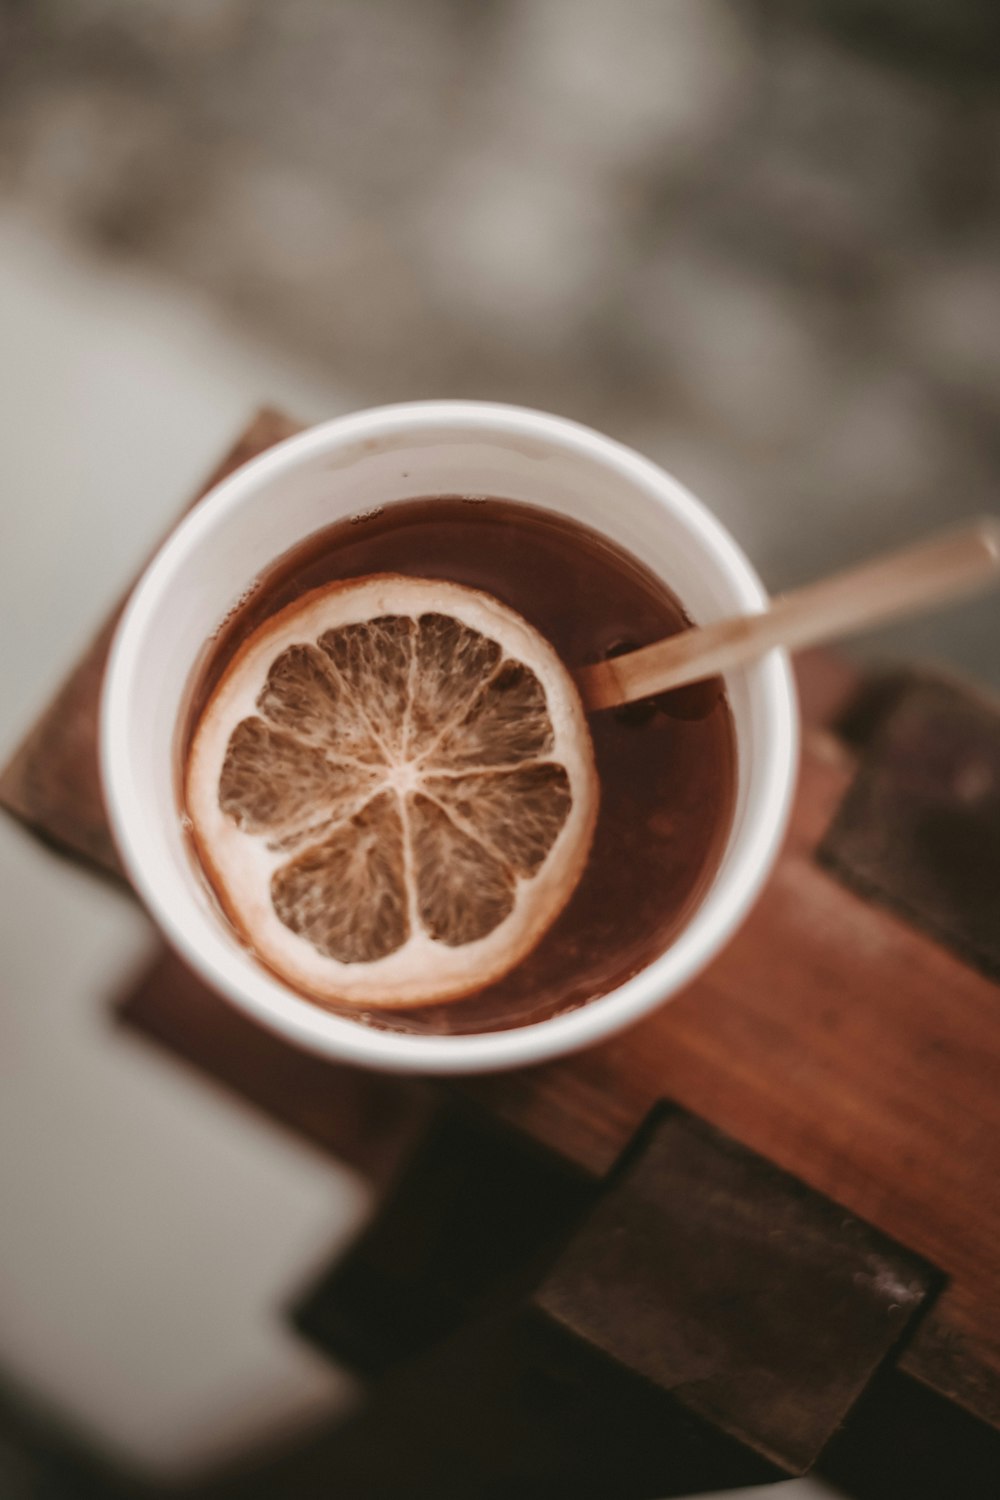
(904, 582)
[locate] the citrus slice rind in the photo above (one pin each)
(392, 791)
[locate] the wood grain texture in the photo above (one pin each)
(750, 1301)
(52, 782)
(919, 829)
(846, 1047)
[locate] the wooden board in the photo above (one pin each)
(919, 830)
(832, 1037)
(751, 1302)
(846, 1047)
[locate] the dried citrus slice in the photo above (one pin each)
(392, 790)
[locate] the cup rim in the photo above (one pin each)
(749, 859)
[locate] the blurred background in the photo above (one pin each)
(758, 241)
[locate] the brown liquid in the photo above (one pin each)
(667, 769)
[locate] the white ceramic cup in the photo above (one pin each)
(337, 470)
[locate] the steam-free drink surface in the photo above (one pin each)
(667, 768)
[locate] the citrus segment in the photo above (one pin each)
(347, 896)
(515, 814)
(453, 662)
(276, 784)
(305, 696)
(464, 891)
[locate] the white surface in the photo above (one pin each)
(151, 1227)
(348, 465)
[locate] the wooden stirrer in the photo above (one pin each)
(904, 582)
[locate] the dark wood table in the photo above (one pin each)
(678, 1259)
